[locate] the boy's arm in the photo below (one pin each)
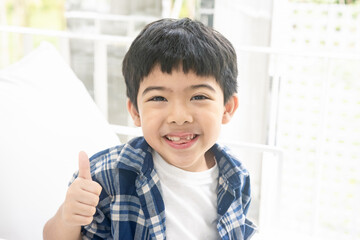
(79, 206)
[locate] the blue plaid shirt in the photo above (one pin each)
(131, 205)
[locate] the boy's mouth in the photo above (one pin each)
(181, 139)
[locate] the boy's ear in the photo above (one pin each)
(134, 113)
(230, 107)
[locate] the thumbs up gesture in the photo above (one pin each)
(84, 166)
(82, 196)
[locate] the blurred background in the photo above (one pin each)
(297, 129)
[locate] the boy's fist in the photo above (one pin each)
(82, 196)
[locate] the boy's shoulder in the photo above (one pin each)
(227, 159)
(232, 171)
(117, 168)
(129, 156)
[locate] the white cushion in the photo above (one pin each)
(46, 118)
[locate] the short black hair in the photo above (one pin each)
(186, 43)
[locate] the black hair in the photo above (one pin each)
(174, 43)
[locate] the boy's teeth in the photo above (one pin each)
(176, 138)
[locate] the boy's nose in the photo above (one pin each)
(179, 114)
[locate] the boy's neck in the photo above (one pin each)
(210, 159)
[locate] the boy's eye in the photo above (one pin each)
(157, 99)
(199, 97)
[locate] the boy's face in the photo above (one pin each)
(181, 116)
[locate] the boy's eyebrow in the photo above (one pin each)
(202, 86)
(193, 87)
(151, 88)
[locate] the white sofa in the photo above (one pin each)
(46, 118)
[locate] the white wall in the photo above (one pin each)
(248, 23)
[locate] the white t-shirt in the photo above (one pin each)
(190, 200)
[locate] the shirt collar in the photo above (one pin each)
(136, 156)
(231, 170)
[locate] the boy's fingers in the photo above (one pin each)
(84, 166)
(84, 210)
(91, 187)
(88, 198)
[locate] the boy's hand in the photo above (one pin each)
(82, 196)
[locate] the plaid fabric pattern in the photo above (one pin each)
(131, 205)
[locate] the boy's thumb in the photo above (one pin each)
(84, 166)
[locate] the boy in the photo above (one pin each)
(175, 182)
